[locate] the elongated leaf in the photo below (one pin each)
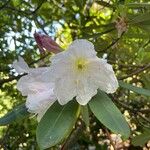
(56, 124)
(108, 114)
(138, 5)
(141, 139)
(141, 18)
(18, 113)
(134, 88)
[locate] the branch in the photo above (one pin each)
(17, 10)
(26, 11)
(105, 4)
(135, 111)
(41, 58)
(113, 43)
(136, 72)
(10, 79)
(41, 26)
(33, 12)
(126, 106)
(126, 65)
(144, 118)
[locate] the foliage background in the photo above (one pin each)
(64, 21)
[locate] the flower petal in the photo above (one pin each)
(65, 89)
(34, 81)
(104, 76)
(23, 85)
(20, 66)
(39, 103)
(85, 91)
(82, 48)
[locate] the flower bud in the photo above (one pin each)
(45, 43)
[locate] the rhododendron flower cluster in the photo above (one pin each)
(74, 73)
(78, 72)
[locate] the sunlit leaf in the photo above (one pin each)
(16, 2)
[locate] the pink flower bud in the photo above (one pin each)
(44, 43)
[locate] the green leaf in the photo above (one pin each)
(138, 5)
(56, 124)
(140, 18)
(16, 2)
(18, 113)
(134, 88)
(85, 114)
(141, 139)
(109, 115)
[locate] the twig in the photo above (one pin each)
(17, 10)
(135, 111)
(145, 110)
(26, 12)
(144, 118)
(126, 106)
(19, 76)
(109, 137)
(136, 72)
(126, 65)
(33, 12)
(105, 4)
(147, 43)
(113, 43)
(41, 26)
(143, 124)
(100, 34)
(10, 79)
(41, 58)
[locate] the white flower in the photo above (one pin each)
(78, 72)
(39, 92)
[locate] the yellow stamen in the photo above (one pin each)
(81, 64)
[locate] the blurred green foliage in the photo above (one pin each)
(64, 21)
